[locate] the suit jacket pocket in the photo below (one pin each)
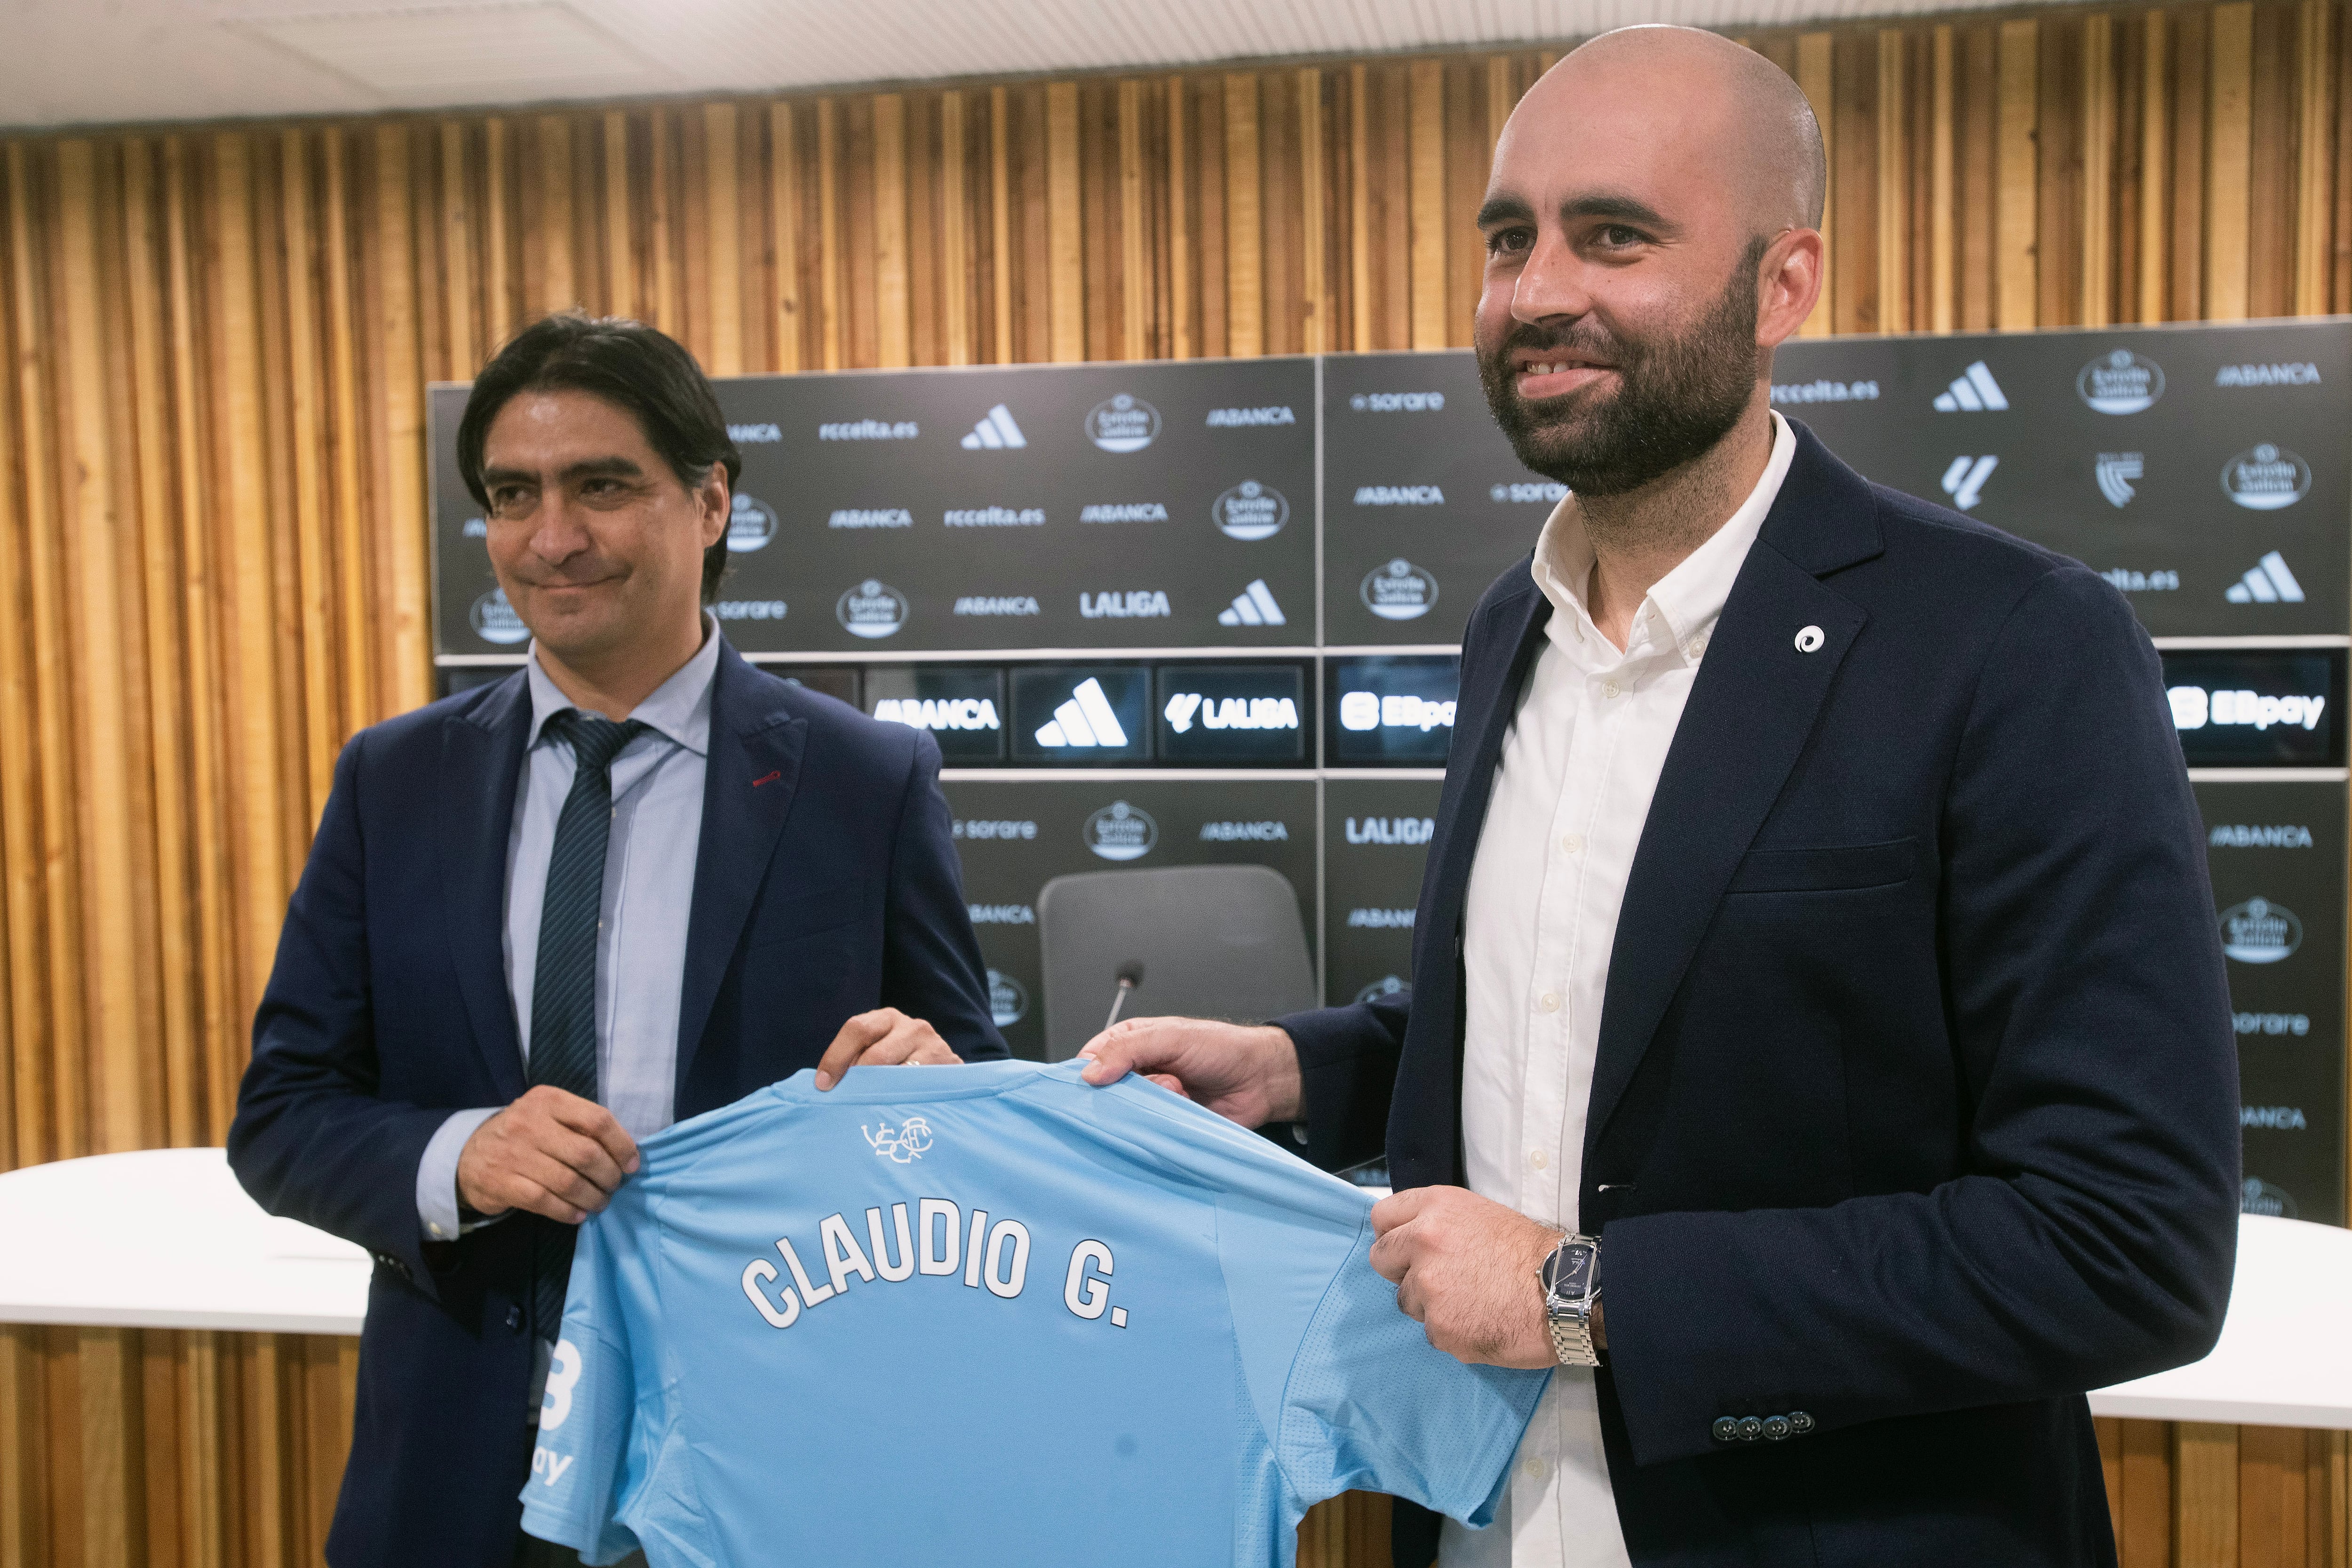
(1840, 869)
(809, 914)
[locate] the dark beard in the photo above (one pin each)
(1676, 399)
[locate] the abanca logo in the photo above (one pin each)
(2260, 932)
(2303, 374)
(873, 517)
(1001, 914)
(2120, 382)
(495, 619)
(1399, 495)
(1008, 1000)
(1399, 591)
(938, 713)
(1244, 833)
(872, 609)
(754, 435)
(1250, 512)
(2265, 478)
(1010, 604)
(750, 524)
(1131, 511)
(1380, 919)
(1121, 832)
(1228, 418)
(2245, 835)
(1125, 423)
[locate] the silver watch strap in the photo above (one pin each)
(1571, 1340)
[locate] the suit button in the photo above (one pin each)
(1776, 1428)
(514, 1319)
(1751, 1429)
(1800, 1422)
(1726, 1429)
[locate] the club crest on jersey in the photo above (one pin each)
(905, 1143)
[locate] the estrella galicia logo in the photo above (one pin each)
(1386, 985)
(904, 1143)
(2258, 1196)
(1399, 591)
(2266, 477)
(751, 525)
(2121, 382)
(495, 619)
(2260, 932)
(1125, 423)
(872, 609)
(1121, 832)
(1008, 999)
(1250, 512)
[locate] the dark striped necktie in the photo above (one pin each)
(563, 992)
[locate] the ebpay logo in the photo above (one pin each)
(1124, 424)
(1121, 832)
(495, 619)
(2260, 932)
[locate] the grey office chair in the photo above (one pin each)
(1215, 942)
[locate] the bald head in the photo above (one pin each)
(1742, 110)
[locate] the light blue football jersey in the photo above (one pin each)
(990, 1315)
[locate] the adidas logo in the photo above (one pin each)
(1252, 606)
(1974, 392)
(1086, 720)
(995, 433)
(2116, 471)
(1964, 481)
(2268, 584)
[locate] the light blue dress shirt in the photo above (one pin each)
(648, 895)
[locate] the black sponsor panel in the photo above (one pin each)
(1424, 504)
(2278, 856)
(1071, 506)
(1081, 715)
(1389, 710)
(449, 680)
(2257, 707)
(1015, 836)
(2201, 468)
(471, 613)
(1229, 714)
(1375, 843)
(961, 706)
(838, 681)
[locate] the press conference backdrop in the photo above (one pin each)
(1187, 613)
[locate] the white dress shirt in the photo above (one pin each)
(648, 895)
(1578, 765)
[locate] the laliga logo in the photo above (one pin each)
(751, 525)
(495, 619)
(2266, 477)
(1125, 423)
(907, 1143)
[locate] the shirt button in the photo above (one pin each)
(1532, 1468)
(1572, 842)
(1610, 688)
(1549, 1001)
(1538, 1159)
(435, 1228)
(1696, 646)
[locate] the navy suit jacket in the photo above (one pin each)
(1915, 1102)
(825, 884)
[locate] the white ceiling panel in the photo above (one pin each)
(106, 61)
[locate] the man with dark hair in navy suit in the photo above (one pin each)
(1818, 1045)
(544, 919)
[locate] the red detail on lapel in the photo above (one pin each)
(769, 779)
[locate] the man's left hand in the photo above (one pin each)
(1465, 1268)
(883, 1038)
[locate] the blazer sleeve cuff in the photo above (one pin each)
(1347, 1063)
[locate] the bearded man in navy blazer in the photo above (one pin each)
(1818, 1047)
(542, 920)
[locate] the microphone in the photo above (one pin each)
(1130, 975)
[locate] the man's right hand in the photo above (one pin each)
(1244, 1073)
(550, 1152)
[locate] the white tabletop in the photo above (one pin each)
(166, 1238)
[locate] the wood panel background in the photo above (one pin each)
(212, 506)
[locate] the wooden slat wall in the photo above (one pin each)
(211, 483)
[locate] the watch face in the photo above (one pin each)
(1570, 1272)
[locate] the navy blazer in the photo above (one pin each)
(825, 884)
(1915, 1102)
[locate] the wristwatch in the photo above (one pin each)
(1571, 1288)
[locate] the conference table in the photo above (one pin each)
(165, 1239)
